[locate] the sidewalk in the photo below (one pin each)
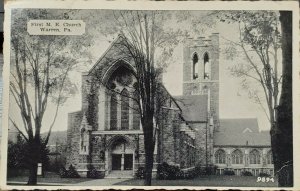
(38, 184)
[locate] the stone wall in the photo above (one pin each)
(176, 140)
(73, 138)
(204, 144)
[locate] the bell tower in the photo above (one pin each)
(201, 70)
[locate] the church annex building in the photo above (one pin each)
(106, 133)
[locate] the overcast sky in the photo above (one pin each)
(234, 103)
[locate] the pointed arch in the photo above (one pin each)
(237, 157)
(207, 66)
(195, 65)
(220, 156)
(254, 156)
(124, 109)
(116, 65)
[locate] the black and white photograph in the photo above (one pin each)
(190, 97)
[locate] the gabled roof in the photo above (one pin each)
(241, 132)
(194, 107)
(113, 53)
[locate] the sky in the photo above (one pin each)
(234, 103)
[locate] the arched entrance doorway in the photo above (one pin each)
(120, 156)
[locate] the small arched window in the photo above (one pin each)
(254, 157)
(237, 157)
(269, 157)
(206, 66)
(125, 110)
(113, 111)
(195, 66)
(220, 156)
(84, 141)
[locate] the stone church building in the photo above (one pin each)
(106, 133)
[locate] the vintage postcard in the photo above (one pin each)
(163, 94)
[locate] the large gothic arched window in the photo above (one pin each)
(206, 66)
(254, 157)
(237, 157)
(220, 156)
(195, 66)
(113, 111)
(125, 110)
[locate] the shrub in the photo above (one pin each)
(229, 172)
(210, 170)
(139, 174)
(200, 170)
(263, 174)
(63, 173)
(247, 173)
(93, 173)
(71, 173)
(168, 172)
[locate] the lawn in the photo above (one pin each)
(214, 181)
(50, 177)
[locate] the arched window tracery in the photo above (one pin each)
(124, 109)
(113, 111)
(254, 157)
(220, 156)
(237, 157)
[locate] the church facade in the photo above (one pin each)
(107, 135)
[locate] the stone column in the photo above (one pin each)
(122, 161)
(119, 112)
(264, 157)
(228, 158)
(246, 157)
(101, 109)
(106, 163)
(133, 162)
(108, 98)
(130, 113)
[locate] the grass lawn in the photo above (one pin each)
(215, 181)
(50, 177)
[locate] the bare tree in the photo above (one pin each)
(39, 74)
(260, 41)
(149, 44)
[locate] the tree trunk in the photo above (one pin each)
(32, 174)
(33, 158)
(149, 149)
(282, 137)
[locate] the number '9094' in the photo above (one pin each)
(265, 179)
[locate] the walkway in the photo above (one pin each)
(101, 182)
(114, 177)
